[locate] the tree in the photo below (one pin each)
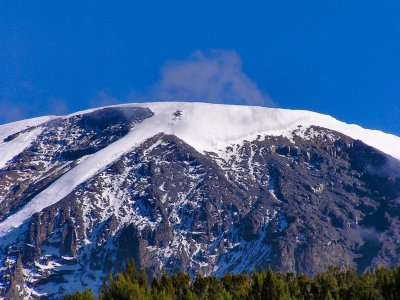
(334, 284)
(237, 284)
(206, 287)
(274, 288)
(85, 295)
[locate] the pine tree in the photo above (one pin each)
(274, 288)
(85, 295)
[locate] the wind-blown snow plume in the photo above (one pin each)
(208, 76)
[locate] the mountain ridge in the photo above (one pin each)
(194, 187)
(170, 107)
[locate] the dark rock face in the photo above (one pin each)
(58, 148)
(300, 205)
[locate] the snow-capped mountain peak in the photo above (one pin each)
(209, 127)
(198, 187)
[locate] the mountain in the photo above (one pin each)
(201, 188)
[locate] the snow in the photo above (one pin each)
(12, 148)
(206, 127)
(15, 127)
(9, 150)
(244, 255)
(82, 172)
(209, 127)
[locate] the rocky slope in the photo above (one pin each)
(193, 187)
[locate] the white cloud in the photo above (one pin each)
(206, 76)
(103, 98)
(211, 76)
(57, 106)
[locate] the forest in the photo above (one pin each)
(335, 283)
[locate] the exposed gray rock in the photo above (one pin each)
(299, 205)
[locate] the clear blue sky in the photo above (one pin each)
(338, 57)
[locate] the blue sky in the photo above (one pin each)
(336, 57)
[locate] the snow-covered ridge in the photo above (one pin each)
(12, 148)
(206, 127)
(15, 127)
(209, 127)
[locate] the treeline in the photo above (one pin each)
(335, 283)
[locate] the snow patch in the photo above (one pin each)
(206, 127)
(11, 149)
(15, 127)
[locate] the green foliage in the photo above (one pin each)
(207, 287)
(238, 285)
(86, 295)
(334, 284)
(274, 287)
